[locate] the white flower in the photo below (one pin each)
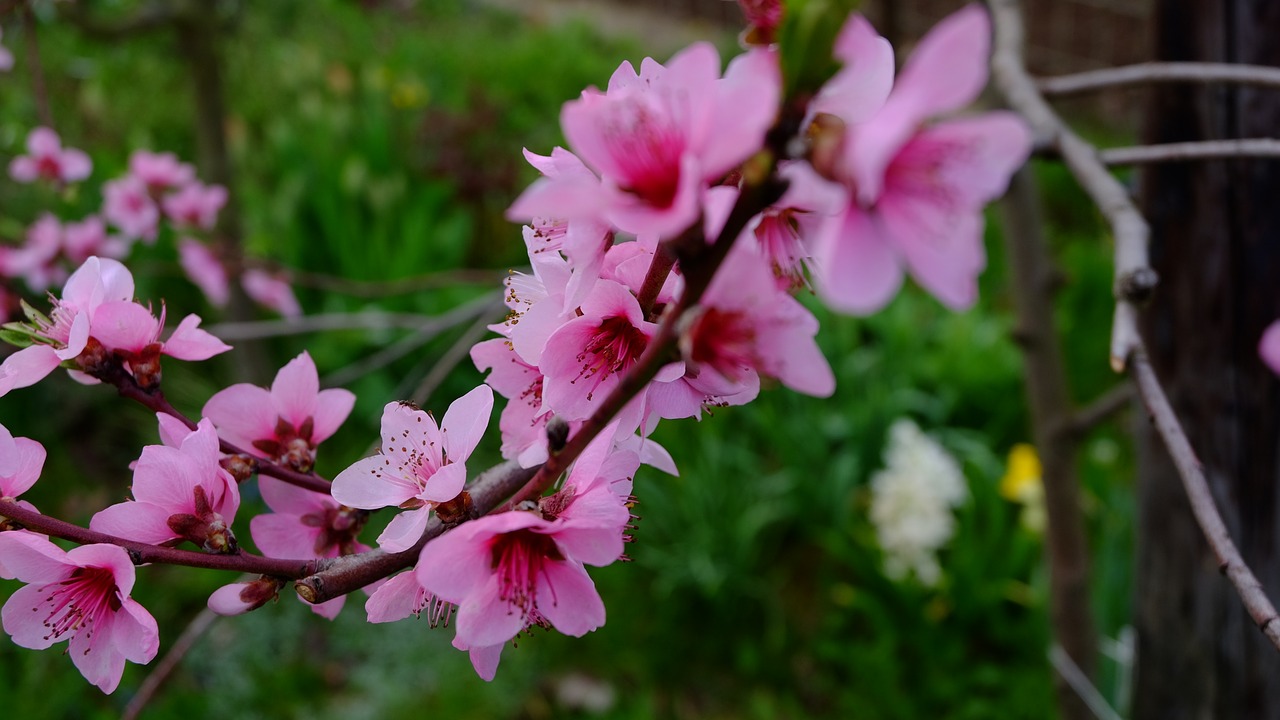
(912, 501)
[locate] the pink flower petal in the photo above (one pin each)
(1269, 347)
(283, 536)
(332, 408)
(27, 367)
(465, 422)
(189, 342)
(568, 598)
(368, 485)
(32, 558)
(857, 270)
(404, 530)
(122, 325)
(243, 413)
(295, 388)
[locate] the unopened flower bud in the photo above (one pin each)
(240, 598)
(240, 466)
(146, 366)
(456, 510)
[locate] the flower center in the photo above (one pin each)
(614, 348)
(724, 341)
(78, 601)
(646, 148)
(518, 558)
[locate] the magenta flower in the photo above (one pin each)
(6, 57)
(865, 79)
(195, 205)
(270, 292)
(916, 195)
(419, 465)
(402, 596)
(240, 598)
(204, 270)
(513, 569)
(127, 204)
(132, 333)
(48, 160)
(179, 494)
(747, 325)
(1269, 346)
(306, 524)
(82, 596)
(21, 460)
(66, 332)
(159, 171)
(657, 138)
(285, 423)
(87, 238)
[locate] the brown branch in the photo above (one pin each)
(1195, 150)
(196, 629)
(1134, 278)
(1156, 72)
(142, 553)
(1230, 563)
(458, 352)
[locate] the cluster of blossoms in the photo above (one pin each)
(157, 190)
(666, 243)
(912, 500)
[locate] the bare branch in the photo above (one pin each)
(1134, 278)
(386, 288)
(196, 629)
(1154, 72)
(329, 322)
(1104, 406)
(1196, 150)
(1230, 563)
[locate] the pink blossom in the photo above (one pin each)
(87, 238)
(865, 79)
(746, 324)
(240, 598)
(657, 138)
(285, 423)
(21, 460)
(306, 524)
(764, 17)
(509, 570)
(36, 260)
(159, 171)
(204, 270)
(524, 419)
(128, 206)
(66, 332)
(1269, 346)
(132, 333)
(419, 466)
(195, 205)
(402, 596)
(48, 160)
(270, 292)
(179, 494)
(916, 195)
(81, 595)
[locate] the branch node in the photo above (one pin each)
(1137, 285)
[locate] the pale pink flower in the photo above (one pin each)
(21, 460)
(36, 260)
(1269, 346)
(745, 324)
(865, 79)
(657, 138)
(87, 238)
(240, 598)
(48, 160)
(285, 423)
(195, 205)
(270, 292)
(402, 596)
(523, 421)
(159, 171)
(179, 494)
(916, 194)
(127, 204)
(204, 270)
(132, 333)
(80, 595)
(6, 57)
(66, 332)
(419, 466)
(306, 524)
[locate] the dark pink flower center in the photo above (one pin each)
(725, 341)
(49, 167)
(79, 601)
(614, 348)
(518, 559)
(647, 149)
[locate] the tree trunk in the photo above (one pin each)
(1216, 246)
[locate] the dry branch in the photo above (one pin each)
(1153, 72)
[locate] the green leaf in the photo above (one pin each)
(808, 34)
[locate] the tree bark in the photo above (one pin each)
(1216, 246)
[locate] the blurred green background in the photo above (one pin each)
(377, 142)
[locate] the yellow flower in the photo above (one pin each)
(1021, 481)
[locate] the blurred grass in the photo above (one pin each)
(377, 144)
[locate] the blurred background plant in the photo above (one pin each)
(376, 145)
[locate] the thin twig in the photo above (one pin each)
(1103, 407)
(195, 630)
(329, 322)
(480, 307)
(459, 351)
(387, 288)
(1134, 278)
(1154, 72)
(1079, 682)
(1195, 150)
(1230, 563)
